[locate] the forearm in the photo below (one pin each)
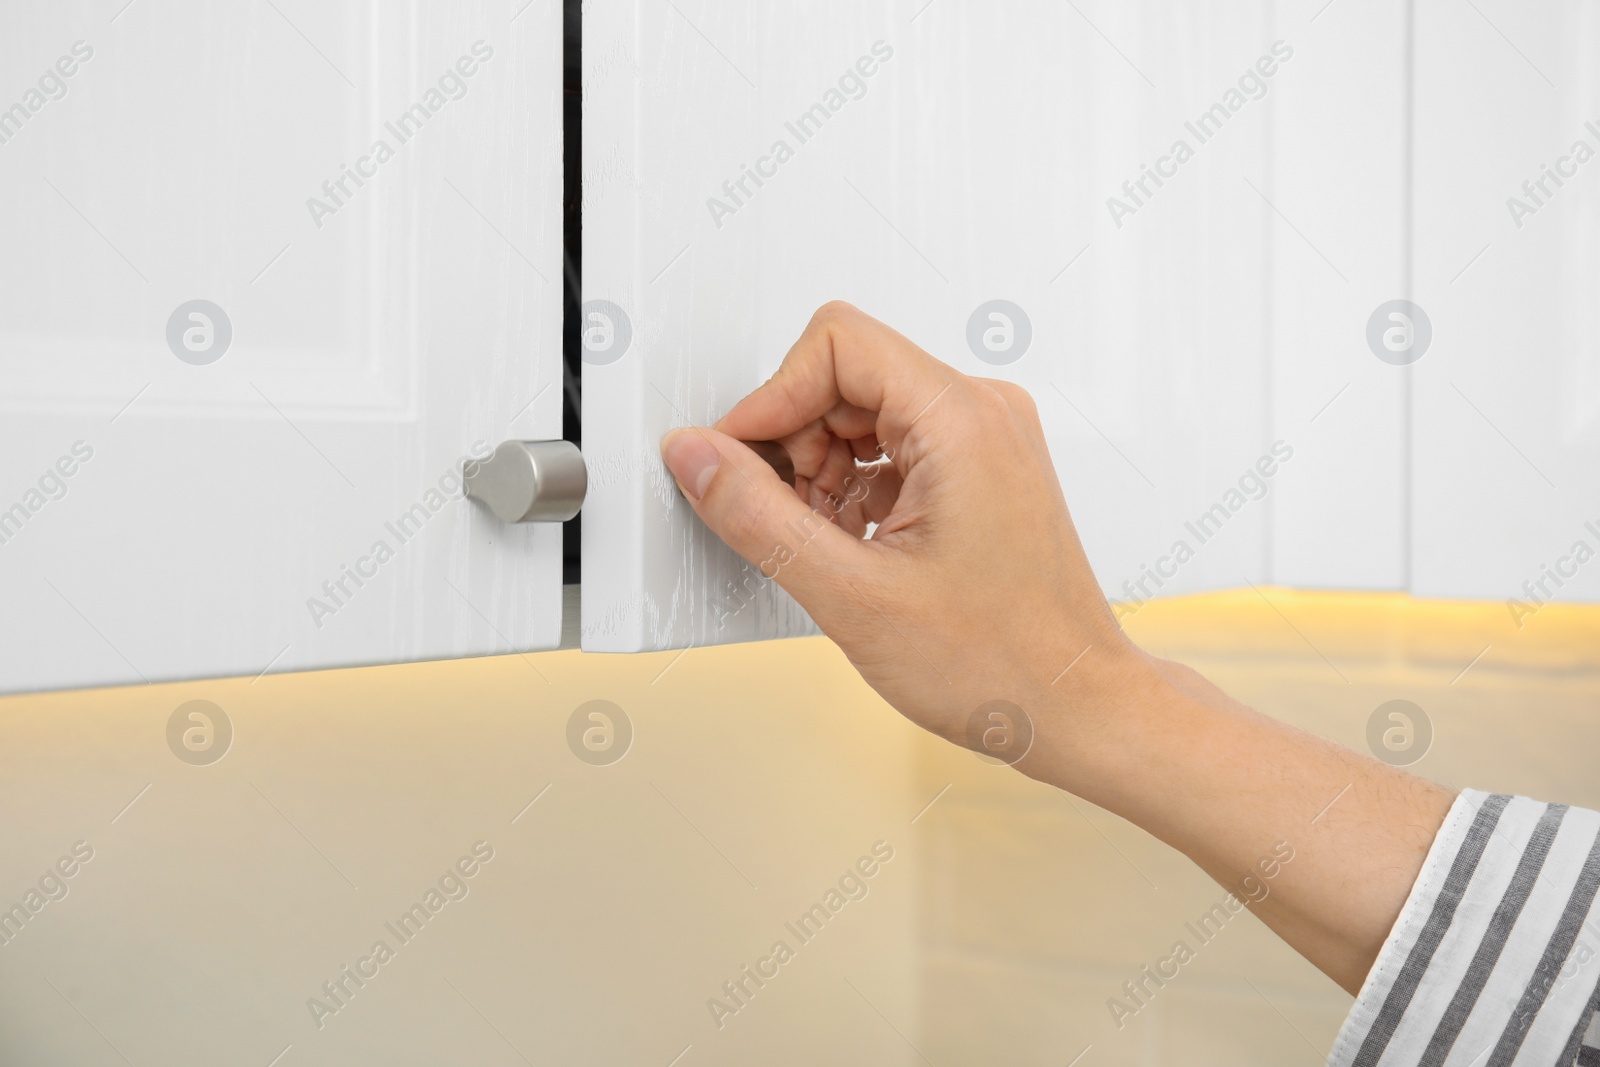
(959, 588)
(973, 587)
(1229, 788)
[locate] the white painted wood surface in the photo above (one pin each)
(374, 344)
(1507, 438)
(974, 163)
(1338, 187)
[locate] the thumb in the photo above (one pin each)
(744, 502)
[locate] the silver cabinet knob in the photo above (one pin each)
(530, 481)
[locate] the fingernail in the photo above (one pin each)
(692, 460)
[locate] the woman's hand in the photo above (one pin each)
(973, 610)
(972, 589)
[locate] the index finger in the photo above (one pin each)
(846, 368)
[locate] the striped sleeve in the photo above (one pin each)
(1495, 958)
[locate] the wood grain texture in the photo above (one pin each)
(976, 162)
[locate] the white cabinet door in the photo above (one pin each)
(1338, 184)
(745, 163)
(1507, 202)
(272, 271)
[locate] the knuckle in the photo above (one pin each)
(991, 404)
(1010, 392)
(1023, 404)
(1017, 400)
(835, 312)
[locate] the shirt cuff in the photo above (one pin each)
(1495, 958)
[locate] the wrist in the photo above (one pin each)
(1095, 735)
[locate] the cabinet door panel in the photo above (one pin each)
(366, 197)
(1507, 399)
(919, 164)
(1338, 186)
